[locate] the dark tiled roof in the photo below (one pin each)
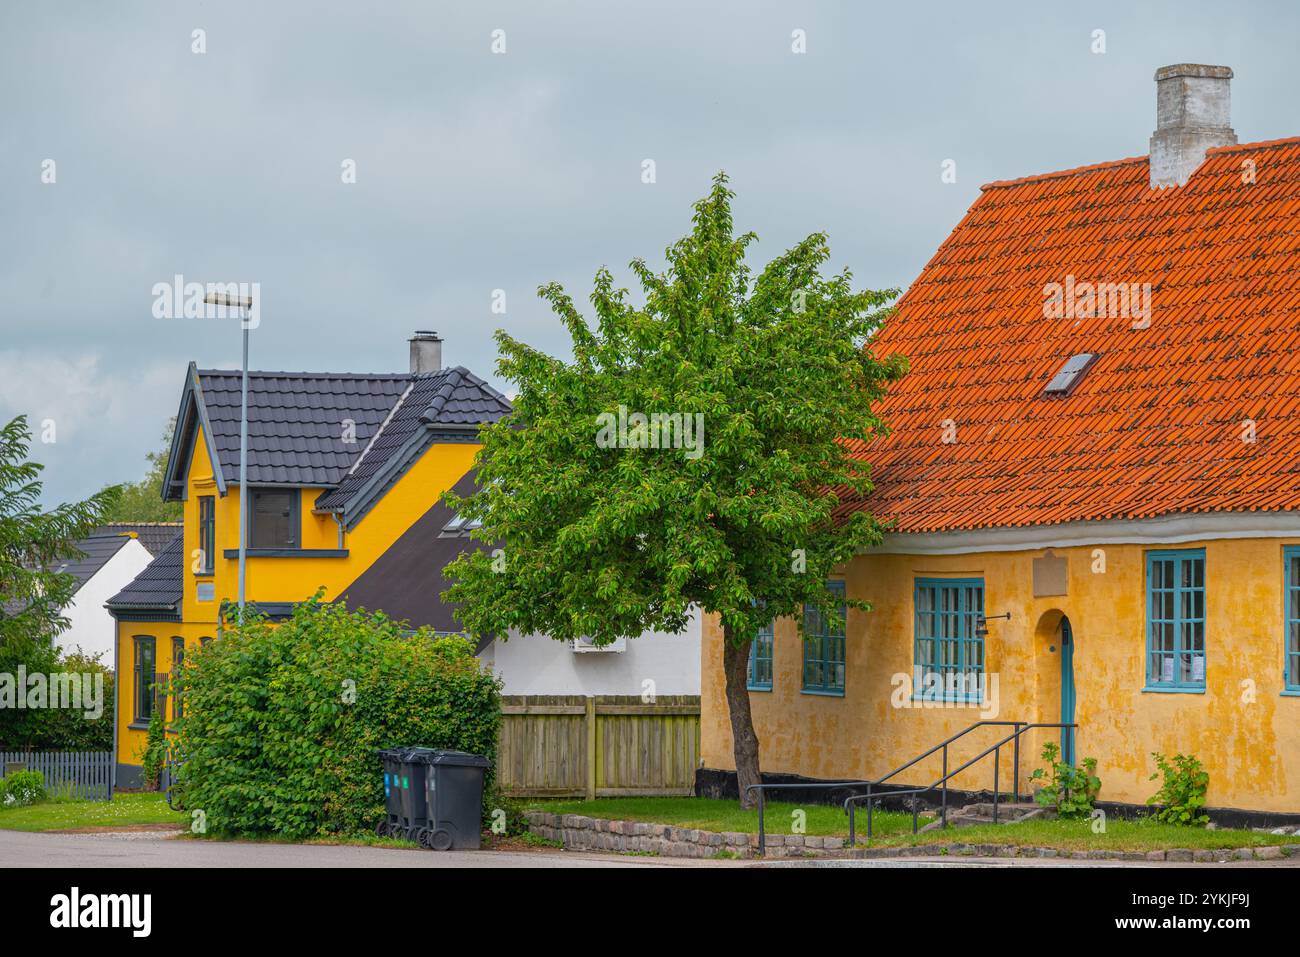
(154, 536)
(296, 421)
(97, 549)
(450, 397)
(406, 582)
(159, 585)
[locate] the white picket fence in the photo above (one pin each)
(81, 774)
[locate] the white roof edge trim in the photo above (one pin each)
(1162, 530)
(379, 431)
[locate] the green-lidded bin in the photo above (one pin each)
(403, 794)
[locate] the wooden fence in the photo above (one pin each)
(81, 774)
(601, 746)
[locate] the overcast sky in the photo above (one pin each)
(478, 171)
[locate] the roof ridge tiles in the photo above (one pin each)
(1092, 168)
(271, 374)
(1062, 173)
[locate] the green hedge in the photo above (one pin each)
(282, 722)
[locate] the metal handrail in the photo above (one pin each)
(995, 749)
(762, 788)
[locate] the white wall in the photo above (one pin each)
(91, 625)
(536, 664)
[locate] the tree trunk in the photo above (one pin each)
(735, 665)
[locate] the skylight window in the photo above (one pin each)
(1070, 374)
(459, 525)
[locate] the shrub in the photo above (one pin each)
(1182, 793)
(56, 729)
(155, 751)
(283, 722)
(21, 788)
(1070, 790)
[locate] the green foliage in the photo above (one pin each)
(22, 788)
(142, 501)
(283, 722)
(516, 823)
(610, 542)
(1071, 790)
(33, 596)
(1181, 797)
(32, 542)
(155, 750)
(60, 729)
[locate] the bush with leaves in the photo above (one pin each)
(1070, 790)
(1181, 797)
(21, 788)
(155, 751)
(283, 721)
(34, 543)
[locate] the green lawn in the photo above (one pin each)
(123, 811)
(893, 829)
(1141, 834)
(711, 814)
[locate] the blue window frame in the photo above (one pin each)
(760, 659)
(948, 655)
(1291, 614)
(1176, 620)
(823, 648)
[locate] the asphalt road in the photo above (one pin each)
(151, 849)
(145, 849)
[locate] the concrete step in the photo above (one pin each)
(982, 813)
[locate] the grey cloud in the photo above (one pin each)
(478, 172)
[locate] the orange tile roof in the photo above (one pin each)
(1155, 426)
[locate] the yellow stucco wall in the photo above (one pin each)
(132, 735)
(278, 579)
(1243, 729)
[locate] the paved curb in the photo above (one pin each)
(579, 833)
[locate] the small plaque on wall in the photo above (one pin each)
(1051, 576)
(206, 591)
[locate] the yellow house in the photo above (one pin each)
(1093, 490)
(344, 477)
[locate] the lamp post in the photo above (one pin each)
(246, 304)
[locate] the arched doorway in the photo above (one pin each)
(1067, 690)
(1054, 643)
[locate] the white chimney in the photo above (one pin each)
(426, 352)
(1192, 115)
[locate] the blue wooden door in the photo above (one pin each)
(1067, 691)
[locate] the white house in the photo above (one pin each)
(653, 662)
(113, 556)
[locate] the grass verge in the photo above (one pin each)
(1139, 834)
(125, 810)
(893, 829)
(712, 814)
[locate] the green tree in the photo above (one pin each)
(142, 501)
(32, 595)
(607, 542)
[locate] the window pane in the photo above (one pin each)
(1176, 624)
(144, 678)
(207, 532)
(273, 512)
(949, 655)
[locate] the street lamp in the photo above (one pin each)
(246, 304)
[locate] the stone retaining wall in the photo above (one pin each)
(579, 833)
